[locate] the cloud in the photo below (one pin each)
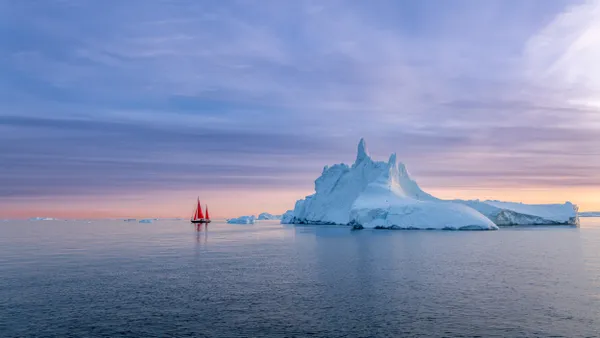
(119, 98)
(66, 156)
(566, 50)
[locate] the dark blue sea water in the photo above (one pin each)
(119, 279)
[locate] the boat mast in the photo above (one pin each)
(200, 215)
(194, 216)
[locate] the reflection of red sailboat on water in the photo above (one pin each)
(198, 216)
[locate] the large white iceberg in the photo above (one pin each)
(375, 194)
(242, 220)
(268, 216)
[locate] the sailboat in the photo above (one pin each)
(198, 216)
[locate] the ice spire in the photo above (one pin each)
(362, 151)
(392, 172)
(392, 161)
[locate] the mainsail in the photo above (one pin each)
(199, 214)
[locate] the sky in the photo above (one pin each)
(134, 108)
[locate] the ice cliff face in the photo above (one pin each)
(375, 194)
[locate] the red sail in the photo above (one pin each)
(207, 216)
(195, 215)
(200, 214)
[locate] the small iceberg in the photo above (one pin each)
(242, 220)
(149, 220)
(268, 216)
(287, 217)
(42, 219)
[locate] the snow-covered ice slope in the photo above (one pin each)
(242, 220)
(375, 194)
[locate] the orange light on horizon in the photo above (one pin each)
(226, 204)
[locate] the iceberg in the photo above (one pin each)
(146, 221)
(42, 219)
(589, 214)
(242, 220)
(287, 217)
(268, 216)
(382, 195)
(373, 194)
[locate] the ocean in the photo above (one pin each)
(166, 279)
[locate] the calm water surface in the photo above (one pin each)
(119, 279)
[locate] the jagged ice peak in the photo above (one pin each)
(362, 152)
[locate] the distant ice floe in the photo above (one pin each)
(590, 214)
(42, 219)
(268, 216)
(149, 220)
(382, 195)
(242, 220)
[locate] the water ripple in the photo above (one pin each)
(109, 279)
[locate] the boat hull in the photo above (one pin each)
(200, 221)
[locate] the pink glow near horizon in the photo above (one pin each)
(222, 204)
(225, 204)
